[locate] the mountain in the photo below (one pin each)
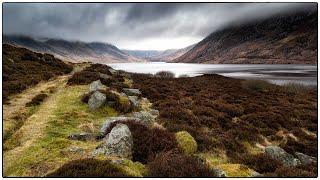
(73, 51)
(281, 39)
(154, 55)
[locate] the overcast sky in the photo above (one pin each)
(142, 26)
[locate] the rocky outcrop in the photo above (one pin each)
(119, 142)
(278, 153)
(305, 159)
(96, 85)
(96, 100)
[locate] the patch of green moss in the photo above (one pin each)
(212, 159)
(186, 142)
(236, 170)
(52, 148)
(133, 169)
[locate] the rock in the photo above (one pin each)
(96, 100)
(186, 142)
(82, 137)
(145, 117)
(219, 172)
(96, 85)
(119, 143)
(134, 101)
(131, 92)
(278, 153)
(110, 120)
(112, 71)
(105, 76)
(75, 149)
(305, 159)
(154, 112)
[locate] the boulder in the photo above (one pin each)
(219, 172)
(305, 159)
(110, 120)
(96, 85)
(278, 153)
(154, 112)
(145, 117)
(96, 100)
(186, 142)
(119, 142)
(134, 101)
(131, 92)
(82, 137)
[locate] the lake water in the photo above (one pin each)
(277, 74)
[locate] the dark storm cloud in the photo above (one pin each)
(134, 25)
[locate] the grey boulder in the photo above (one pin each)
(131, 92)
(96, 100)
(278, 153)
(305, 159)
(96, 85)
(219, 172)
(134, 101)
(110, 120)
(119, 142)
(145, 117)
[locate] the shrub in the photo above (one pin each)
(37, 100)
(87, 168)
(165, 74)
(285, 172)
(83, 77)
(262, 163)
(147, 142)
(255, 85)
(186, 142)
(174, 164)
(123, 104)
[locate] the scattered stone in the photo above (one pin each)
(119, 142)
(154, 112)
(96, 85)
(105, 76)
(134, 101)
(131, 92)
(219, 172)
(186, 142)
(305, 159)
(110, 120)
(75, 149)
(96, 100)
(145, 117)
(278, 153)
(82, 137)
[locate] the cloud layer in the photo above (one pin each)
(134, 25)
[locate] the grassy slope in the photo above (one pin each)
(43, 143)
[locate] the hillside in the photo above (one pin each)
(73, 51)
(281, 39)
(23, 68)
(153, 55)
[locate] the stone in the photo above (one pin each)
(119, 142)
(134, 101)
(278, 153)
(186, 142)
(145, 117)
(96, 85)
(110, 120)
(75, 149)
(96, 100)
(112, 71)
(82, 137)
(219, 172)
(305, 159)
(154, 112)
(131, 92)
(105, 76)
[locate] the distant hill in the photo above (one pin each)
(281, 39)
(153, 55)
(73, 51)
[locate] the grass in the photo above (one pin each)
(47, 147)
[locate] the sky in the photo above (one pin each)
(135, 26)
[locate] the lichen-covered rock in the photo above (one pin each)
(110, 120)
(131, 92)
(96, 100)
(186, 142)
(119, 142)
(154, 112)
(96, 85)
(278, 153)
(145, 117)
(305, 159)
(134, 101)
(219, 172)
